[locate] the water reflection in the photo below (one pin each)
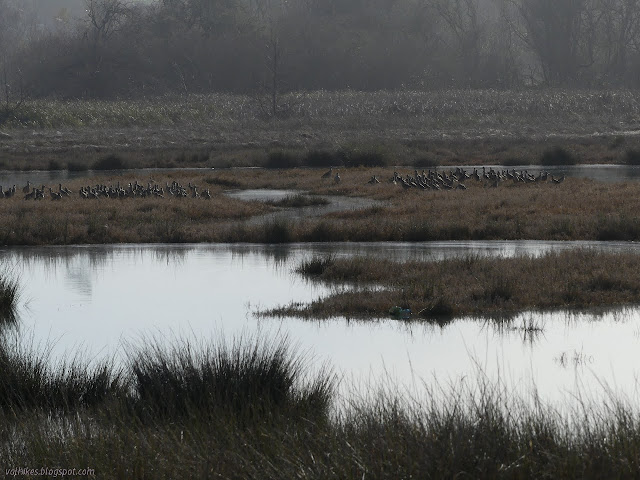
(94, 298)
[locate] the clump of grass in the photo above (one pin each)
(9, 295)
(247, 379)
(29, 381)
(558, 156)
(110, 162)
(278, 231)
(315, 266)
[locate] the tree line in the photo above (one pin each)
(122, 48)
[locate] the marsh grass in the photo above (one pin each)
(30, 381)
(476, 427)
(471, 286)
(9, 295)
(247, 379)
(315, 266)
(577, 209)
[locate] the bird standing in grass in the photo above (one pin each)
(329, 173)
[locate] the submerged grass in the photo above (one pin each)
(298, 201)
(471, 285)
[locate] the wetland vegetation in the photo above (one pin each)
(577, 209)
(114, 90)
(253, 409)
(471, 286)
(340, 128)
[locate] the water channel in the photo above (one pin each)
(97, 301)
(607, 173)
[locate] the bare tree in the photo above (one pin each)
(270, 14)
(461, 20)
(620, 30)
(561, 34)
(104, 19)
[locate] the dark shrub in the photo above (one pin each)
(322, 158)
(77, 167)
(371, 158)
(425, 162)
(281, 159)
(111, 162)
(558, 156)
(632, 157)
(54, 165)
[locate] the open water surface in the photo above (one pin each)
(95, 300)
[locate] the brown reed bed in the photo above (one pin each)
(471, 286)
(575, 209)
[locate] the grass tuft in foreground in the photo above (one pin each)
(29, 382)
(247, 379)
(9, 295)
(471, 429)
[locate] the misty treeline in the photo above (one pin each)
(126, 48)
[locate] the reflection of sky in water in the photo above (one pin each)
(94, 298)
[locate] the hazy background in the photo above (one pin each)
(125, 49)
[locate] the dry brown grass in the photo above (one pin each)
(474, 285)
(575, 209)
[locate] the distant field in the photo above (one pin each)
(447, 127)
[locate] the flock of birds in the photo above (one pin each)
(133, 189)
(433, 180)
(426, 180)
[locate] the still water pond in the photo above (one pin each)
(96, 299)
